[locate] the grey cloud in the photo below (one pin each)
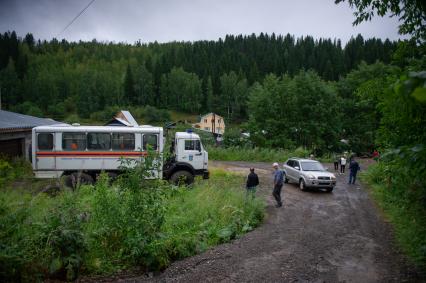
(186, 20)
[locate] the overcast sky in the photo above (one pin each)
(186, 20)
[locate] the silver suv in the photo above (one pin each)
(308, 174)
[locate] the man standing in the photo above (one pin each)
(252, 182)
(353, 168)
(336, 162)
(342, 164)
(278, 184)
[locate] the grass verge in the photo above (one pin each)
(259, 154)
(103, 229)
(404, 208)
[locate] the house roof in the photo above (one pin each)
(11, 121)
(125, 118)
(129, 118)
(209, 114)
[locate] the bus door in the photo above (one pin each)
(44, 155)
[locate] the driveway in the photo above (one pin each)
(315, 237)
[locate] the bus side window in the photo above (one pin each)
(123, 141)
(151, 141)
(98, 141)
(73, 141)
(45, 141)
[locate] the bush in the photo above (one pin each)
(28, 108)
(398, 185)
(12, 169)
(105, 115)
(254, 154)
(155, 115)
(133, 222)
(72, 118)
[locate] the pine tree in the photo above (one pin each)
(129, 87)
(209, 95)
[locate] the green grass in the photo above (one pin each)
(404, 208)
(255, 154)
(181, 116)
(102, 229)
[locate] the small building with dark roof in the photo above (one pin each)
(15, 132)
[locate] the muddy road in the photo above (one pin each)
(315, 237)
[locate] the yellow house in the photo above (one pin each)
(211, 122)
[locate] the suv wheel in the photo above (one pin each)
(329, 190)
(302, 185)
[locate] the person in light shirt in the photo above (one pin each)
(342, 164)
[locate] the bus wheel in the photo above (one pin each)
(76, 179)
(182, 178)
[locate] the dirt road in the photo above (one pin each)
(314, 237)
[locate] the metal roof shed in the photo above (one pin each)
(15, 132)
(123, 118)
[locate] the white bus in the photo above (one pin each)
(82, 152)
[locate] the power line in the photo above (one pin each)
(75, 18)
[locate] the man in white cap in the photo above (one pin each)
(278, 184)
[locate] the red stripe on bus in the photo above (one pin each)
(88, 153)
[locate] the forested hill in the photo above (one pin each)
(59, 78)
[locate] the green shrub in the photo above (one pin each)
(254, 154)
(12, 169)
(62, 232)
(403, 199)
(133, 222)
(155, 115)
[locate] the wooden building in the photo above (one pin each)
(211, 122)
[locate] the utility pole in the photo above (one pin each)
(0, 97)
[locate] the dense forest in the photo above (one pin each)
(303, 95)
(59, 79)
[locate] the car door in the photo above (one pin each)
(289, 169)
(190, 151)
(296, 170)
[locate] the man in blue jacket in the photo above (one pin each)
(353, 168)
(278, 184)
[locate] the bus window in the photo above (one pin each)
(45, 141)
(99, 141)
(151, 141)
(123, 141)
(73, 141)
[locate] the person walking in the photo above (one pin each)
(252, 183)
(278, 184)
(353, 170)
(336, 162)
(342, 164)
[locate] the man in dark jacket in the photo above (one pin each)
(278, 184)
(252, 182)
(353, 168)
